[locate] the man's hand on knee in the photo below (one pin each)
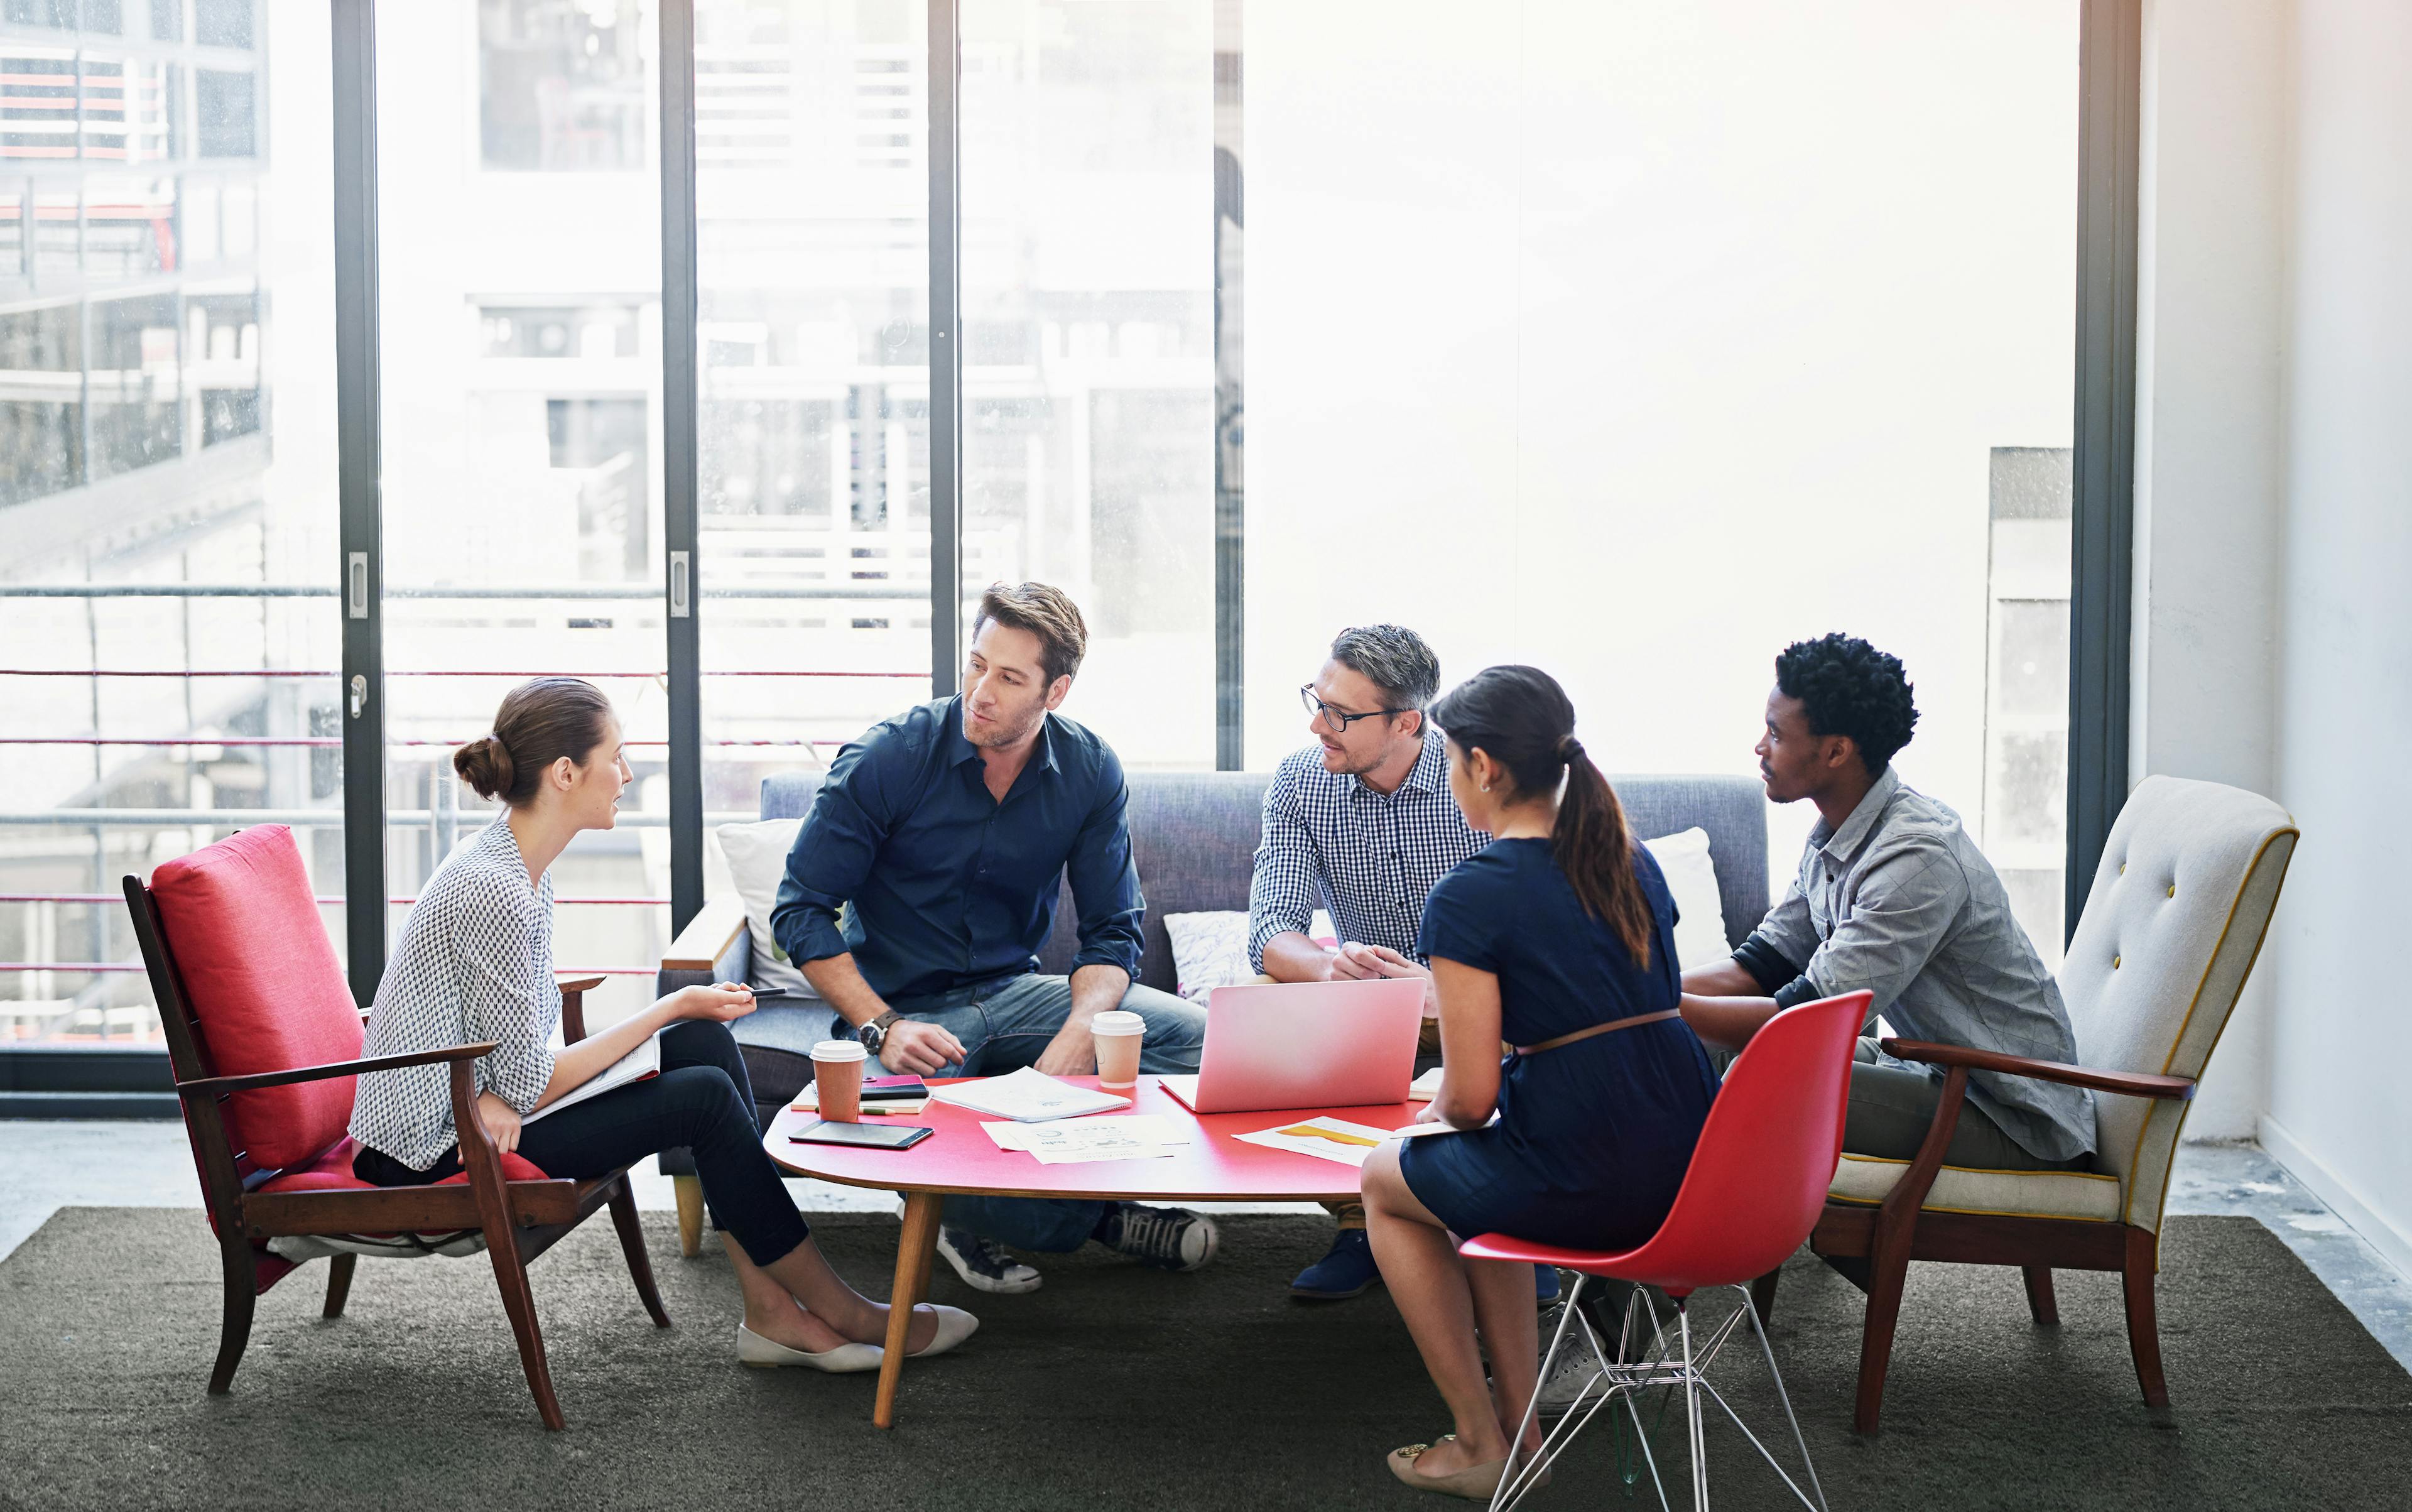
(921, 1048)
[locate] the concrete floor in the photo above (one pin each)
(46, 1165)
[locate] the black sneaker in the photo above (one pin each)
(982, 1265)
(1171, 1238)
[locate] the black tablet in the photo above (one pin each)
(875, 1136)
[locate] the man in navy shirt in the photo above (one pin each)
(923, 885)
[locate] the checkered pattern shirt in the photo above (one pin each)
(1375, 855)
(475, 964)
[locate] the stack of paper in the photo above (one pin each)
(1424, 1088)
(809, 1101)
(1139, 1137)
(1027, 1097)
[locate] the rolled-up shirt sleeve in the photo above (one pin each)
(1105, 878)
(1902, 907)
(1780, 947)
(507, 996)
(1281, 891)
(833, 855)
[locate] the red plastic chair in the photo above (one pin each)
(1755, 1187)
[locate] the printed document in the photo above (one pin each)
(1140, 1136)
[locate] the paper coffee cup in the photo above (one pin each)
(1116, 1034)
(837, 1079)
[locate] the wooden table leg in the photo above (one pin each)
(914, 1249)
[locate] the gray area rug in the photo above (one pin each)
(1113, 1387)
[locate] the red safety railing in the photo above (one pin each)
(323, 901)
(322, 743)
(294, 672)
(105, 967)
(171, 741)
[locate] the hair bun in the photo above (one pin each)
(485, 764)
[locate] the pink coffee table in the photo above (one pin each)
(1215, 1167)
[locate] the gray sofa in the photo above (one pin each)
(1194, 834)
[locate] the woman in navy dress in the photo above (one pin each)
(1558, 938)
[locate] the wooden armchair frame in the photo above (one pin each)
(1875, 1244)
(520, 1220)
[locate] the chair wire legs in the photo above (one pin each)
(1667, 1363)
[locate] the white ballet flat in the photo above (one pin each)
(954, 1327)
(753, 1349)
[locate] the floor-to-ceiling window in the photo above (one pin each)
(520, 338)
(813, 347)
(1088, 343)
(168, 611)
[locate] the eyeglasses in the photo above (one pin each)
(1333, 719)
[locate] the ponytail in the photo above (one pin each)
(1524, 720)
(1594, 849)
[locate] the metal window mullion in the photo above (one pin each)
(1230, 408)
(358, 466)
(2109, 71)
(946, 350)
(680, 411)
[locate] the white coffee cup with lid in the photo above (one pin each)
(1116, 1033)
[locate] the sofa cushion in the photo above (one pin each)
(1867, 1178)
(267, 993)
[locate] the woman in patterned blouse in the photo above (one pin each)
(474, 963)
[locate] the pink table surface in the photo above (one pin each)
(1215, 1167)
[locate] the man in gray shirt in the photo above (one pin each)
(1893, 896)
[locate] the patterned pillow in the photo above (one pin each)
(1211, 950)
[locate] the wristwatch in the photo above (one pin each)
(874, 1034)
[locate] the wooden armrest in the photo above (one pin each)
(211, 1086)
(706, 936)
(2128, 1083)
(573, 1007)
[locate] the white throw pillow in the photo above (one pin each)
(1211, 950)
(1691, 877)
(758, 863)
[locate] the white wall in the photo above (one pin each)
(2209, 436)
(2338, 1112)
(1635, 342)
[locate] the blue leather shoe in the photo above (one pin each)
(1545, 1284)
(1347, 1270)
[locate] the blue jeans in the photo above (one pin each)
(1005, 1025)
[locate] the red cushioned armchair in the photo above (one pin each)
(265, 1043)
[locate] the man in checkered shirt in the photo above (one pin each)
(1363, 819)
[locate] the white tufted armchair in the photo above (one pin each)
(2181, 902)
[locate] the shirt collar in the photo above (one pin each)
(1846, 839)
(960, 749)
(502, 843)
(1429, 774)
